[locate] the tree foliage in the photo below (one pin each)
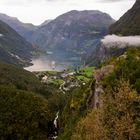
(118, 119)
(23, 115)
(119, 116)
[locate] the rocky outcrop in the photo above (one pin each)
(95, 100)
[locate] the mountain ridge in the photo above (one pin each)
(24, 29)
(14, 49)
(129, 23)
(75, 31)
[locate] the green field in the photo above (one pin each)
(87, 71)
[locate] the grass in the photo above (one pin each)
(56, 81)
(88, 71)
(52, 72)
(83, 78)
(82, 75)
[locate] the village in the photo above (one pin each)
(66, 79)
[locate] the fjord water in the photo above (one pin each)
(53, 62)
(43, 64)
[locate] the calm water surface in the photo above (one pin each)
(48, 63)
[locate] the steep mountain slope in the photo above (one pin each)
(115, 94)
(24, 112)
(21, 79)
(75, 31)
(14, 49)
(24, 29)
(129, 23)
(102, 53)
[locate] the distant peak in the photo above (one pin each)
(6, 16)
(84, 11)
(46, 22)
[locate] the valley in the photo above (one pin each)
(66, 79)
(70, 36)
(64, 83)
(74, 77)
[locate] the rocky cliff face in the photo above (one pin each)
(95, 98)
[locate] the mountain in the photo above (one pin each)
(46, 22)
(24, 29)
(115, 93)
(129, 23)
(103, 53)
(14, 49)
(74, 32)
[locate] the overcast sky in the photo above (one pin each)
(37, 11)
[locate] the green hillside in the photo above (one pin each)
(21, 79)
(14, 49)
(117, 114)
(25, 112)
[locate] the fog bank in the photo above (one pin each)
(121, 41)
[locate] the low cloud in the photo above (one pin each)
(121, 41)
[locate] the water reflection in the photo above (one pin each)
(45, 63)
